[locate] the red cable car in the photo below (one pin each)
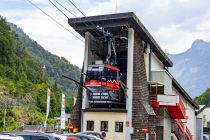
(105, 76)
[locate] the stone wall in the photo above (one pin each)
(141, 108)
(76, 111)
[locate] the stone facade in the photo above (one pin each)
(76, 111)
(141, 118)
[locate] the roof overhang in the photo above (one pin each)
(201, 108)
(114, 24)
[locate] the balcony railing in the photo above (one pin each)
(180, 125)
(188, 134)
(185, 131)
(176, 131)
(172, 102)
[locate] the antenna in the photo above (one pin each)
(115, 6)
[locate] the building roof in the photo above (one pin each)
(114, 24)
(184, 93)
(201, 108)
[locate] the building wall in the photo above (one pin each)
(111, 117)
(156, 64)
(206, 116)
(190, 112)
(191, 121)
(167, 126)
(76, 115)
(141, 106)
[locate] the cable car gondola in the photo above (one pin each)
(104, 76)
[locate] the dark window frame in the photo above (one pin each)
(120, 127)
(104, 126)
(88, 125)
(208, 124)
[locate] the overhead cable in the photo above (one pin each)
(65, 8)
(77, 8)
(84, 16)
(58, 9)
(54, 20)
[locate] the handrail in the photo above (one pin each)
(182, 105)
(189, 135)
(180, 125)
(175, 130)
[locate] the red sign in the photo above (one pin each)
(71, 127)
(127, 124)
(145, 130)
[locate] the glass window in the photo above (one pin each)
(156, 88)
(104, 125)
(118, 126)
(40, 138)
(26, 137)
(57, 138)
(90, 125)
(208, 124)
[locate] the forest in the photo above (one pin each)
(24, 80)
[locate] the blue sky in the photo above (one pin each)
(175, 24)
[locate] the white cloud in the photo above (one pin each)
(175, 24)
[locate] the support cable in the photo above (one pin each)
(55, 20)
(84, 16)
(77, 8)
(58, 9)
(65, 8)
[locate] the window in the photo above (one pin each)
(40, 138)
(118, 126)
(104, 125)
(25, 137)
(90, 125)
(208, 124)
(57, 138)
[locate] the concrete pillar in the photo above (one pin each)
(86, 62)
(167, 126)
(129, 99)
(87, 47)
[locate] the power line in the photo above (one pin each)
(58, 9)
(65, 14)
(77, 8)
(65, 8)
(54, 20)
(84, 16)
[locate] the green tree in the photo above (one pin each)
(204, 98)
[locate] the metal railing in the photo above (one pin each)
(182, 106)
(188, 133)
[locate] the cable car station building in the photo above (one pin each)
(134, 97)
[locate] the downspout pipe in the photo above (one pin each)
(149, 54)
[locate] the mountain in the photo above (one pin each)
(191, 68)
(23, 83)
(55, 66)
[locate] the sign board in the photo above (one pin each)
(48, 106)
(71, 127)
(103, 134)
(63, 111)
(145, 129)
(127, 124)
